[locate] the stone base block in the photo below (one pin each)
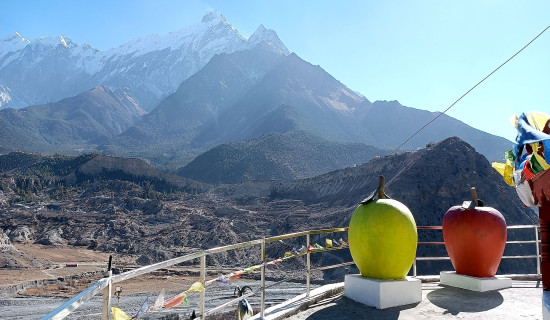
(383, 294)
(451, 278)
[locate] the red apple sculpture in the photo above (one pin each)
(475, 237)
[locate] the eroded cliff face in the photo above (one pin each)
(5, 242)
(132, 166)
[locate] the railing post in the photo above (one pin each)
(262, 293)
(414, 267)
(105, 314)
(203, 279)
(308, 265)
(538, 249)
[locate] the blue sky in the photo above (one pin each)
(425, 54)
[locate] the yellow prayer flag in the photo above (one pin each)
(543, 163)
(328, 243)
(119, 314)
(196, 287)
(506, 170)
(537, 119)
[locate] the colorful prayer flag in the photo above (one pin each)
(343, 243)
(196, 287)
(328, 243)
(143, 309)
(222, 279)
(175, 301)
(236, 274)
(299, 251)
(118, 314)
(159, 302)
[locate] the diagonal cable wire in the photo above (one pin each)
(477, 84)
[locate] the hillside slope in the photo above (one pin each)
(276, 156)
(428, 181)
(71, 125)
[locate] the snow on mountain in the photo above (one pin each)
(212, 25)
(152, 66)
(269, 36)
(13, 42)
(10, 45)
(5, 97)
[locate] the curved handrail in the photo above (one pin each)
(65, 309)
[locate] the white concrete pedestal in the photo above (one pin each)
(451, 278)
(383, 294)
(545, 305)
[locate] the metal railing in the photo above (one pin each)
(104, 285)
(536, 241)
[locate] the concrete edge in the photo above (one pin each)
(528, 277)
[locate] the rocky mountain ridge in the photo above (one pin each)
(70, 125)
(248, 94)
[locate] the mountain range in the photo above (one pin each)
(151, 67)
(170, 98)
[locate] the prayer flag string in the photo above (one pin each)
(198, 286)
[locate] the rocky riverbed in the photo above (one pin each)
(37, 307)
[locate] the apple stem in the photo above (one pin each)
(474, 195)
(381, 181)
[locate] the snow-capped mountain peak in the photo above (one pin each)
(152, 66)
(213, 26)
(210, 16)
(12, 42)
(261, 29)
(55, 41)
(269, 36)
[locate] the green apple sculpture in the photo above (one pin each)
(382, 237)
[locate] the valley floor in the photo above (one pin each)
(33, 292)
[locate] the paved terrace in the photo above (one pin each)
(522, 301)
